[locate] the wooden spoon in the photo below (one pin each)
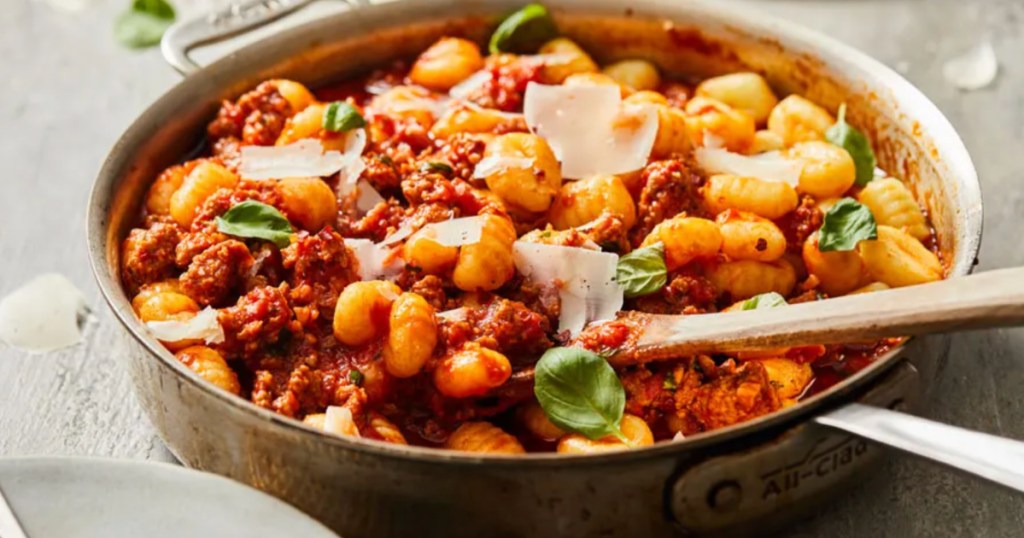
(991, 299)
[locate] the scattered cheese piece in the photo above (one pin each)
(973, 70)
(305, 158)
(496, 163)
(586, 281)
(376, 260)
(338, 420)
(589, 129)
(770, 166)
(203, 326)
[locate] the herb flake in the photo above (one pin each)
(847, 223)
(524, 31)
(340, 117)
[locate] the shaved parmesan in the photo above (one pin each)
(456, 232)
(43, 315)
(305, 158)
(770, 166)
(455, 314)
(404, 231)
(368, 197)
(470, 84)
(496, 163)
(376, 260)
(586, 281)
(353, 167)
(203, 326)
(974, 69)
(589, 129)
(338, 420)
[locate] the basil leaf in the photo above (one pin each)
(144, 23)
(524, 31)
(765, 300)
(579, 391)
(844, 135)
(256, 220)
(340, 117)
(847, 223)
(356, 377)
(669, 383)
(643, 271)
(438, 167)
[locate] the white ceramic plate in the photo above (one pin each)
(93, 498)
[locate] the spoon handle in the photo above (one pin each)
(990, 299)
(988, 456)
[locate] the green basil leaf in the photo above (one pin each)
(765, 300)
(144, 23)
(844, 135)
(642, 271)
(669, 383)
(847, 223)
(579, 391)
(256, 220)
(438, 167)
(340, 117)
(356, 377)
(524, 31)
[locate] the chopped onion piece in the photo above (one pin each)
(376, 260)
(770, 166)
(586, 281)
(470, 84)
(305, 158)
(455, 314)
(589, 129)
(496, 163)
(203, 326)
(974, 69)
(456, 232)
(338, 420)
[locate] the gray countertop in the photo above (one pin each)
(67, 91)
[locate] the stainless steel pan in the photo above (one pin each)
(747, 478)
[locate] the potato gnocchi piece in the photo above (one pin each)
(488, 264)
(797, 119)
(485, 438)
(412, 335)
(892, 204)
(788, 377)
(580, 202)
(839, 272)
(686, 239)
(210, 366)
(530, 189)
(205, 179)
(828, 171)
(637, 432)
(708, 118)
(362, 312)
(564, 58)
(639, 75)
(769, 199)
(471, 371)
(746, 236)
(745, 278)
(897, 259)
(446, 63)
(747, 92)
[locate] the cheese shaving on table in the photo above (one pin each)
(203, 326)
(45, 314)
(586, 281)
(376, 260)
(973, 70)
(770, 166)
(590, 129)
(338, 420)
(305, 158)
(497, 163)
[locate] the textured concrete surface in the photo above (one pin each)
(67, 91)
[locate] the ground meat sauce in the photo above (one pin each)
(277, 304)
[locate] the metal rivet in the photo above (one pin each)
(725, 496)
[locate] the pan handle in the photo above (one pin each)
(993, 458)
(237, 18)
